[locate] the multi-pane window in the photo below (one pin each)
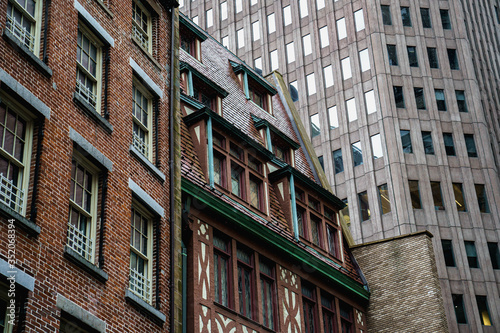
(470, 145)
(433, 58)
(484, 313)
(405, 16)
(315, 125)
(338, 161)
(82, 208)
(245, 281)
(415, 194)
(341, 29)
(359, 20)
(364, 207)
(222, 270)
(351, 109)
(453, 59)
(15, 150)
(306, 44)
(482, 200)
(399, 97)
(386, 14)
(377, 150)
(458, 304)
(141, 254)
(383, 196)
(406, 141)
(332, 235)
(323, 37)
(5, 322)
(268, 292)
(494, 255)
(88, 71)
(23, 21)
(448, 144)
(333, 117)
(237, 180)
(449, 258)
(437, 195)
(142, 29)
(459, 197)
(346, 68)
(309, 308)
(462, 104)
(426, 17)
(427, 142)
(328, 309)
(271, 23)
(412, 56)
(328, 75)
(364, 60)
(470, 250)
(419, 98)
(371, 103)
(440, 99)
(346, 318)
(224, 41)
(445, 19)
(287, 15)
(357, 153)
(142, 119)
(392, 54)
(321, 162)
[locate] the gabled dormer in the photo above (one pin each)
(191, 37)
(255, 87)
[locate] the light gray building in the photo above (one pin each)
(401, 98)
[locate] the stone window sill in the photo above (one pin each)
(84, 264)
(134, 151)
(145, 307)
(20, 221)
(90, 111)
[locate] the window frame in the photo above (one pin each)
(309, 304)
(227, 255)
(432, 58)
(136, 34)
(437, 197)
(149, 133)
(271, 281)
(36, 24)
(250, 268)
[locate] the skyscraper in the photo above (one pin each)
(401, 99)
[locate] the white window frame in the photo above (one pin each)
(209, 15)
(30, 39)
(143, 38)
(4, 295)
(147, 144)
(240, 38)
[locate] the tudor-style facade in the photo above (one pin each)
(263, 247)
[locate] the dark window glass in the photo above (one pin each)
(445, 19)
(459, 197)
(452, 57)
(419, 98)
(268, 292)
(386, 15)
(357, 153)
(497, 14)
(222, 271)
(412, 56)
(458, 304)
(462, 105)
(321, 162)
(494, 255)
(406, 141)
(433, 58)
(484, 313)
(338, 161)
(383, 196)
(405, 16)
(449, 258)
(363, 206)
(470, 250)
(398, 97)
(482, 200)
(315, 125)
(436, 195)
(440, 101)
(426, 17)
(448, 144)
(329, 317)
(415, 194)
(346, 320)
(333, 241)
(301, 222)
(427, 141)
(392, 54)
(471, 145)
(245, 281)
(309, 308)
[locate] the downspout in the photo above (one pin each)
(36, 175)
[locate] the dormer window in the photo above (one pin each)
(191, 38)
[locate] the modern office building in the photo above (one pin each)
(401, 98)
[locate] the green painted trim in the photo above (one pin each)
(293, 200)
(190, 84)
(259, 123)
(194, 103)
(245, 85)
(183, 20)
(268, 139)
(238, 68)
(210, 150)
(260, 231)
(193, 71)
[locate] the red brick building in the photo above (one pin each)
(264, 248)
(85, 183)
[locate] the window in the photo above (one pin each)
(386, 14)
(484, 313)
(225, 41)
(309, 306)
(219, 170)
(333, 240)
(346, 68)
(338, 161)
(405, 16)
(321, 162)
(223, 11)
(440, 99)
(437, 196)
(22, 16)
(341, 29)
(449, 258)
(5, 319)
(311, 84)
(357, 153)
(406, 141)
(471, 145)
(256, 31)
(254, 2)
(88, 71)
(419, 98)
(142, 119)
(351, 109)
(433, 58)
(482, 200)
(287, 15)
(316, 230)
(329, 316)
(257, 64)
(445, 19)
(306, 44)
(323, 37)
(346, 318)
(222, 270)
(294, 93)
(364, 59)
(245, 281)
(426, 17)
(371, 104)
(274, 60)
(256, 192)
(195, 20)
(237, 181)
(377, 146)
(320, 4)
(239, 5)
(412, 56)
(462, 105)
(359, 20)
(383, 196)
(392, 54)
(141, 254)
(494, 255)
(268, 292)
(328, 74)
(210, 18)
(142, 29)
(315, 125)
(83, 208)
(427, 142)
(458, 304)
(448, 144)
(398, 97)
(303, 8)
(470, 250)
(415, 194)
(459, 197)
(333, 117)
(453, 59)
(290, 52)
(240, 38)
(271, 23)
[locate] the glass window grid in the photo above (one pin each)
(449, 257)
(357, 153)
(142, 119)
(88, 80)
(482, 200)
(419, 98)
(223, 270)
(22, 18)
(406, 141)
(440, 99)
(448, 144)
(142, 25)
(412, 56)
(246, 283)
(268, 293)
(458, 191)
